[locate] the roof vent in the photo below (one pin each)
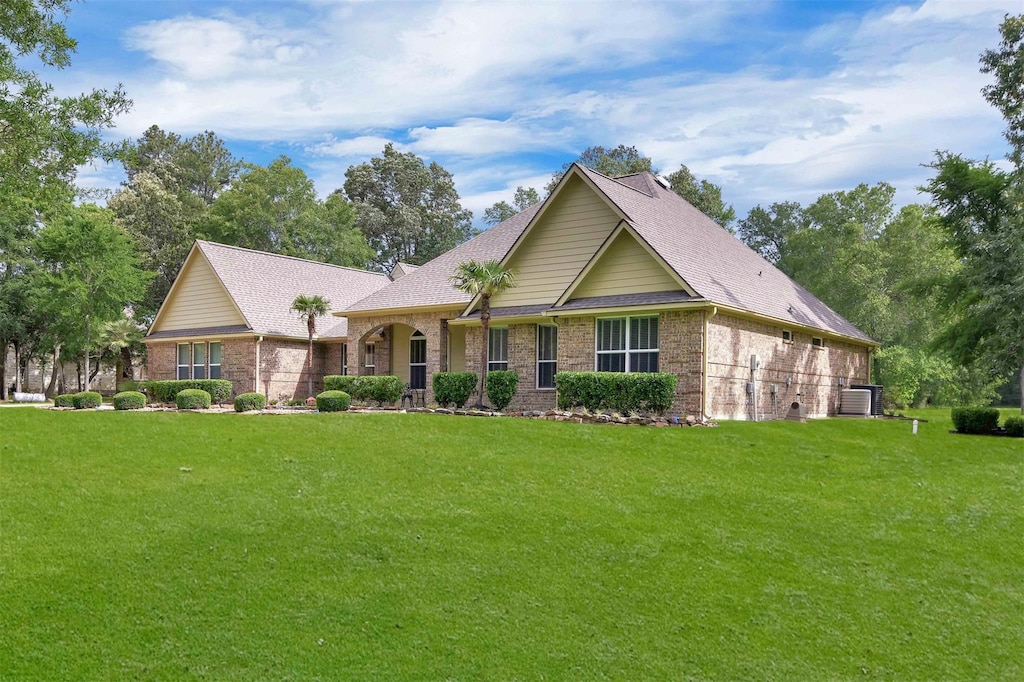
(661, 181)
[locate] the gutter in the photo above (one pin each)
(256, 378)
(705, 315)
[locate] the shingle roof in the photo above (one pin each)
(622, 300)
(263, 286)
(200, 331)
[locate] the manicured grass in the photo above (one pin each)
(339, 546)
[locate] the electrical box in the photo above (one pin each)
(750, 388)
(755, 363)
(775, 389)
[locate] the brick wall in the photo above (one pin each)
(284, 368)
(813, 373)
(522, 358)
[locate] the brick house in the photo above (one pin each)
(614, 274)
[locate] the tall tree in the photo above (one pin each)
(91, 273)
(408, 211)
(704, 195)
(1006, 93)
(485, 279)
(501, 211)
(621, 160)
(768, 230)
(309, 308)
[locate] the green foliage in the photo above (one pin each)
(1006, 93)
(65, 400)
(768, 231)
(704, 195)
(1014, 426)
(501, 211)
(501, 388)
(192, 399)
(332, 401)
(975, 420)
(338, 382)
(621, 160)
(624, 393)
(247, 402)
(129, 400)
(86, 400)
(166, 391)
(453, 388)
(383, 390)
(408, 211)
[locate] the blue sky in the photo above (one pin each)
(773, 101)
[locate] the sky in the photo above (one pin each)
(773, 101)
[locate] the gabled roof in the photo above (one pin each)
(264, 285)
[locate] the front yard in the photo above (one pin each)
(390, 546)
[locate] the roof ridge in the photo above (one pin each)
(281, 255)
(615, 180)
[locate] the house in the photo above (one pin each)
(614, 274)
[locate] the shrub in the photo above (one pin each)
(454, 388)
(129, 400)
(624, 393)
(167, 391)
(382, 390)
(1014, 426)
(66, 400)
(86, 400)
(978, 420)
(250, 401)
(501, 387)
(332, 401)
(192, 399)
(339, 382)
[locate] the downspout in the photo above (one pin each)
(704, 364)
(256, 378)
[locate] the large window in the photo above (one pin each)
(497, 349)
(199, 360)
(547, 355)
(627, 344)
(418, 361)
(344, 359)
(184, 361)
(215, 359)
(370, 364)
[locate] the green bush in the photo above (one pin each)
(86, 400)
(192, 399)
(250, 401)
(66, 400)
(501, 386)
(453, 388)
(167, 391)
(1014, 426)
(339, 382)
(625, 393)
(383, 390)
(333, 401)
(129, 400)
(978, 420)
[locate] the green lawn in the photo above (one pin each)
(224, 547)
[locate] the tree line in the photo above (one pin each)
(938, 284)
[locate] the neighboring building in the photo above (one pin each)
(613, 274)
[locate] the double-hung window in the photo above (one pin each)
(215, 359)
(547, 355)
(418, 361)
(199, 360)
(184, 361)
(627, 344)
(370, 364)
(497, 349)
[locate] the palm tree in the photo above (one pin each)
(119, 336)
(485, 279)
(309, 308)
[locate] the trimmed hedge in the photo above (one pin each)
(453, 388)
(247, 402)
(1014, 426)
(129, 400)
(66, 400)
(86, 400)
(340, 382)
(501, 386)
(192, 399)
(333, 401)
(623, 393)
(977, 420)
(167, 391)
(383, 390)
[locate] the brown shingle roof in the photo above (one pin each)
(263, 286)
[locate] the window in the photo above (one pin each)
(418, 361)
(199, 360)
(547, 355)
(215, 359)
(627, 344)
(344, 359)
(184, 361)
(497, 349)
(370, 366)
(817, 342)
(787, 336)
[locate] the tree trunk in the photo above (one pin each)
(485, 327)
(50, 389)
(127, 373)
(88, 340)
(17, 367)
(309, 369)
(3, 372)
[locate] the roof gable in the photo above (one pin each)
(197, 299)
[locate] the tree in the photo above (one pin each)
(704, 195)
(91, 274)
(408, 211)
(501, 211)
(309, 308)
(484, 279)
(621, 160)
(768, 231)
(119, 336)
(275, 208)
(1007, 92)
